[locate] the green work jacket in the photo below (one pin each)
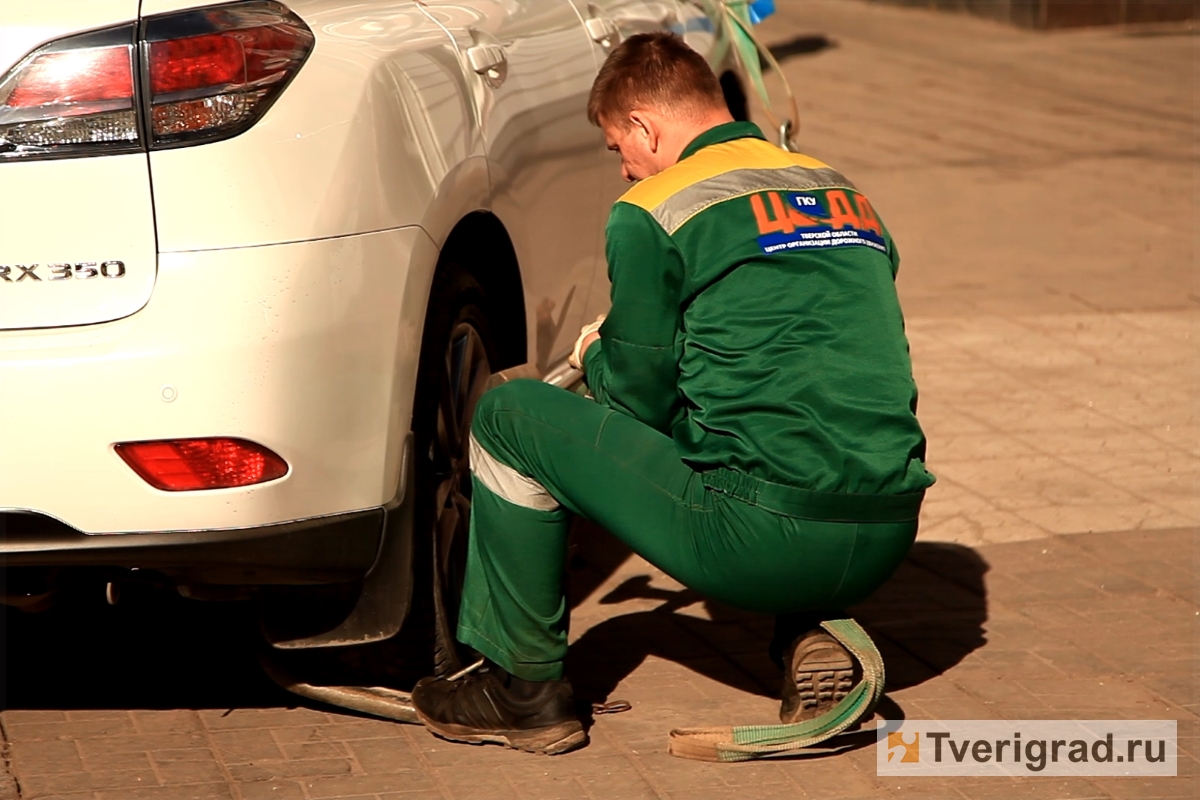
(755, 321)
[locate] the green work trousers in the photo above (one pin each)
(540, 454)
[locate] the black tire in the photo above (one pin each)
(457, 334)
(457, 352)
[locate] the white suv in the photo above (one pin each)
(256, 264)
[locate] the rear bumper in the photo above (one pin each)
(322, 550)
(309, 349)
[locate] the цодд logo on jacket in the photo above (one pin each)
(80, 271)
(814, 219)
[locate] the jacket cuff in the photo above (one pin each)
(591, 354)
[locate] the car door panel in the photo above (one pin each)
(608, 22)
(543, 155)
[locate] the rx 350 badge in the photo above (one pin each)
(81, 271)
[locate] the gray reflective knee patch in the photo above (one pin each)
(507, 483)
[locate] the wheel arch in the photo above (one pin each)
(480, 244)
(735, 95)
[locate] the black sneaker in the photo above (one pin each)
(486, 704)
(818, 672)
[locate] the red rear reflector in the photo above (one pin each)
(75, 76)
(182, 465)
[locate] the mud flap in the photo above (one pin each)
(382, 605)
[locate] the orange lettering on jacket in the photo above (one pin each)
(775, 222)
(866, 215)
(782, 218)
(841, 215)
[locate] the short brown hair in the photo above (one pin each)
(653, 70)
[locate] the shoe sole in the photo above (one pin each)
(547, 741)
(823, 678)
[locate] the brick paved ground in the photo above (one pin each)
(1098, 625)
(1042, 191)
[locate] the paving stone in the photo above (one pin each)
(383, 755)
(191, 754)
(50, 731)
(62, 783)
(270, 790)
(192, 791)
(1034, 788)
(245, 746)
(271, 770)
(239, 719)
(311, 750)
(92, 747)
(1144, 788)
(46, 758)
(176, 772)
(116, 761)
(166, 721)
(346, 786)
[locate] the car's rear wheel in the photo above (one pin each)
(457, 354)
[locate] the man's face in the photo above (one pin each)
(637, 145)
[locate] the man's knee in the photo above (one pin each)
(518, 395)
(497, 457)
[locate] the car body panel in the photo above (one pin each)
(317, 550)
(391, 142)
(104, 270)
(630, 17)
(48, 279)
(696, 28)
(543, 156)
(310, 349)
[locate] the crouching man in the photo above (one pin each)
(753, 432)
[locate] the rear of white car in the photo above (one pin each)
(256, 262)
(216, 390)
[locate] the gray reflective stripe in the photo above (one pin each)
(506, 482)
(687, 203)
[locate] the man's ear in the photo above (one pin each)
(647, 125)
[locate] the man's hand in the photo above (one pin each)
(587, 334)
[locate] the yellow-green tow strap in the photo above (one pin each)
(756, 741)
(733, 29)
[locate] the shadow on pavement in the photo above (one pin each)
(157, 650)
(925, 620)
(801, 46)
(154, 650)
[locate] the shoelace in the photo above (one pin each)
(456, 681)
(466, 670)
(613, 707)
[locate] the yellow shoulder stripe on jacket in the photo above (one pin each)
(710, 162)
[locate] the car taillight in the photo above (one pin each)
(70, 95)
(183, 465)
(216, 71)
(180, 79)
